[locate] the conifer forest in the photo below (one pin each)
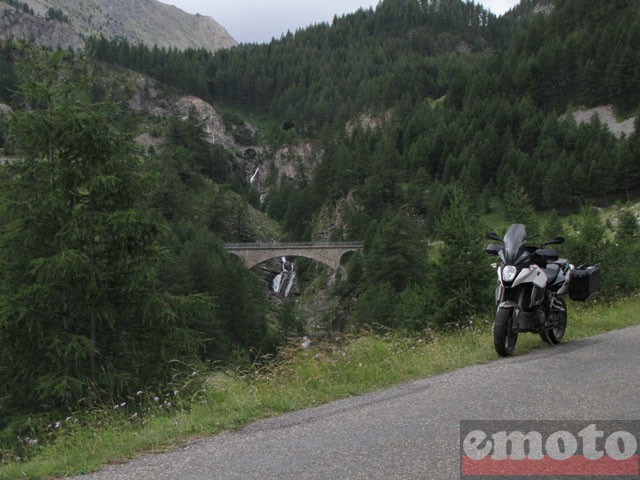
(113, 273)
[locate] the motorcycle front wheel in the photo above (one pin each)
(504, 338)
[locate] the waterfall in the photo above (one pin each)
(292, 277)
(253, 177)
(277, 282)
(283, 282)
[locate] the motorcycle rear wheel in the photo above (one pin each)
(554, 335)
(504, 338)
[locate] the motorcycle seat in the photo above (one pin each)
(552, 270)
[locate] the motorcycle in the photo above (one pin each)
(528, 296)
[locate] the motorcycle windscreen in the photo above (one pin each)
(514, 241)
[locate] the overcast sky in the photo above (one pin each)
(259, 21)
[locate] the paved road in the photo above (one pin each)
(412, 431)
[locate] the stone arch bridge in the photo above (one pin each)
(328, 253)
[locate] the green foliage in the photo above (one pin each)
(434, 139)
(7, 70)
(495, 128)
(460, 279)
(627, 228)
(376, 306)
(519, 209)
(396, 252)
(79, 314)
(290, 320)
(622, 274)
(589, 243)
(616, 252)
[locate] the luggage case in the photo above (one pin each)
(585, 282)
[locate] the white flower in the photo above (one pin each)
(306, 342)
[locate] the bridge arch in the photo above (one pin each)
(327, 253)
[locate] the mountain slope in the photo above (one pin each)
(141, 21)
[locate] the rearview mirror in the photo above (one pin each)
(554, 241)
(493, 249)
(493, 236)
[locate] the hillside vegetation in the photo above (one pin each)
(437, 121)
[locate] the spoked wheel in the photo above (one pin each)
(554, 334)
(504, 338)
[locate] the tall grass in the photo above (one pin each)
(301, 376)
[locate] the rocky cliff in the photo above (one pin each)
(139, 21)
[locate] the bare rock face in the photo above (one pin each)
(292, 161)
(606, 115)
(145, 96)
(205, 113)
(141, 21)
(15, 25)
(331, 218)
(296, 161)
(370, 121)
(544, 8)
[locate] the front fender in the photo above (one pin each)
(508, 304)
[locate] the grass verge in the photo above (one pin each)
(301, 377)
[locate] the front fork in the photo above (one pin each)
(515, 298)
(504, 299)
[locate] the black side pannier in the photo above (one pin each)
(584, 282)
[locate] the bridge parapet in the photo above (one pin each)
(329, 253)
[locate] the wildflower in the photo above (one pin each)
(123, 404)
(156, 399)
(306, 342)
(175, 393)
(31, 441)
(58, 424)
(139, 392)
(134, 416)
(194, 374)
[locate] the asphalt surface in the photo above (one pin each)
(412, 431)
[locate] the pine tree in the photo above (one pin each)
(460, 280)
(79, 315)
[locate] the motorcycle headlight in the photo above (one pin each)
(509, 273)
